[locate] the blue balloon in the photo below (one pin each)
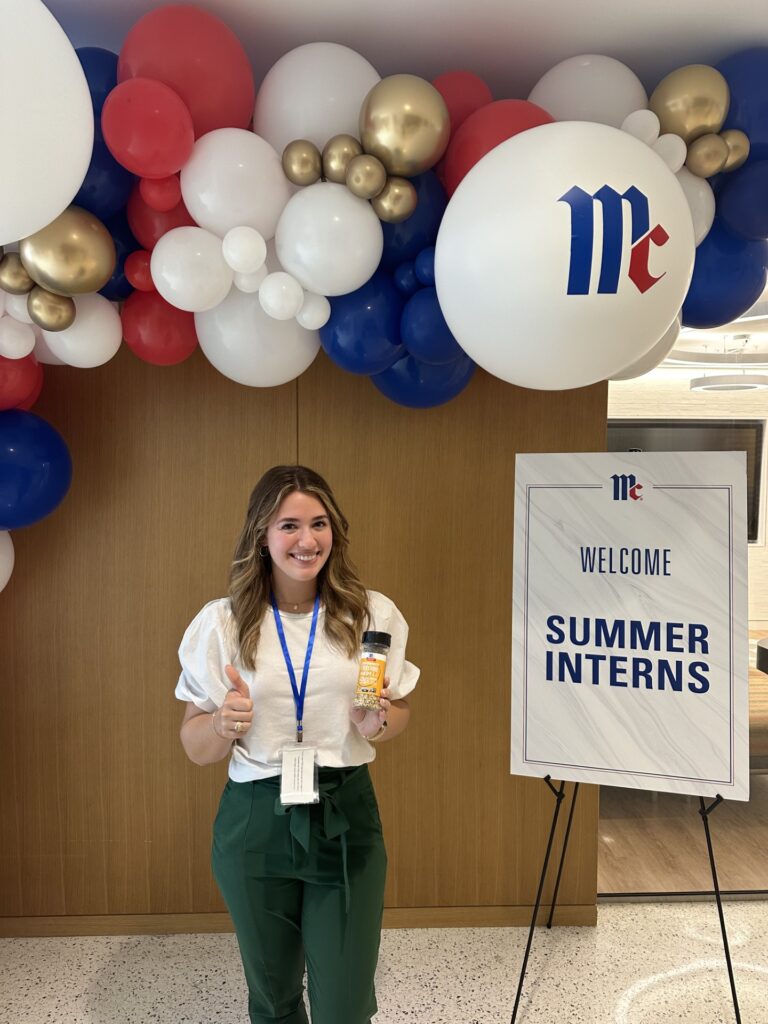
(118, 286)
(363, 332)
(425, 266)
(742, 204)
(728, 277)
(35, 469)
(420, 386)
(405, 278)
(404, 241)
(424, 331)
(100, 67)
(746, 73)
(107, 185)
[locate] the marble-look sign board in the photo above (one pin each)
(629, 662)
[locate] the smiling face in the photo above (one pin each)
(299, 539)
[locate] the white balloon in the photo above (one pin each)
(315, 311)
(46, 120)
(251, 282)
(94, 337)
(16, 339)
(672, 151)
(701, 201)
(653, 356)
(43, 354)
(281, 295)
(330, 240)
(518, 268)
(7, 558)
(16, 306)
(234, 178)
(590, 87)
(188, 269)
(313, 92)
(244, 250)
(643, 125)
(248, 346)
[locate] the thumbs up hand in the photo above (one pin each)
(235, 716)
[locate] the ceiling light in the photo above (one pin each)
(730, 382)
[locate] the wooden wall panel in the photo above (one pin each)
(429, 495)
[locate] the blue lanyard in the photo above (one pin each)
(298, 695)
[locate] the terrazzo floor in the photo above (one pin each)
(643, 964)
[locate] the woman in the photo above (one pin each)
(275, 663)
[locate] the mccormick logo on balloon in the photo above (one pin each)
(614, 211)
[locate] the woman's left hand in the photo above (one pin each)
(369, 722)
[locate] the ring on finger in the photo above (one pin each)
(238, 726)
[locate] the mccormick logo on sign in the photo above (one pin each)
(625, 486)
(615, 207)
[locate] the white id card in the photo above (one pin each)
(298, 780)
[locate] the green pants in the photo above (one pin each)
(304, 884)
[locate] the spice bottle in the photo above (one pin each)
(373, 665)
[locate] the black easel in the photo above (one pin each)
(559, 795)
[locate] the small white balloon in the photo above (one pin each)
(672, 151)
(590, 87)
(330, 240)
(42, 352)
(701, 201)
(244, 250)
(643, 125)
(16, 306)
(281, 295)
(16, 339)
(654, 356)
(249, 347)
(7, 558)
(189, 270)
(315, 311)
(94, 337)
(251, 282)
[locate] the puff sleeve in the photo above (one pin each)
(387, 617)
(203, 653)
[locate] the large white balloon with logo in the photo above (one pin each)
(46, 119)
(564, 255)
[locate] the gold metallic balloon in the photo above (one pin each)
(337, 153)
(73, 255)
(738, 148)
(302, 162)
(49, 311)
(13, 277)
(405, 123)
(396, 201)
(707, 155)
(366, 176)
(691, 102)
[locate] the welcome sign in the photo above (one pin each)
(629, 663)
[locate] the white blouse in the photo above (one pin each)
(210, 643)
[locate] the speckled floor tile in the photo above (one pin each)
(643, 964)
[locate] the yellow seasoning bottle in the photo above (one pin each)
(373, 665)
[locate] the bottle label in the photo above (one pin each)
(370, 678)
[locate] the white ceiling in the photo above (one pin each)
(510, 43)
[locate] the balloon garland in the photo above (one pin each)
(410, 229)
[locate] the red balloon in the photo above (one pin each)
(18, 379)
(148, 225)
(30, 400)
(147, 128)
(487, 128)
(156, 331)
(199, 57)
(162, 194)
(464, 92)
(137, 270)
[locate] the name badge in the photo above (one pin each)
(299, 777)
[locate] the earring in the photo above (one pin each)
(263, 552)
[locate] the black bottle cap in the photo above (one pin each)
(383, 639)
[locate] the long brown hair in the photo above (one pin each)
(338, 584)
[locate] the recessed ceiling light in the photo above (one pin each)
(730, 382)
